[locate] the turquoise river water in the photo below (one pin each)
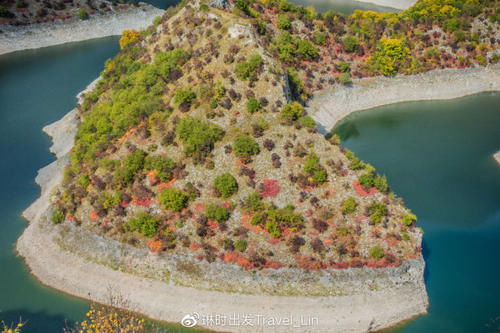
(437, 156)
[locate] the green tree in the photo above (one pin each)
(292, 111)
(226, 184)
(253, 105)
(241, 245)
(351, 43)
(409, 219)
(218, 213)
(245, 146)
(198, 135)
(173, 199)
(58, 216)
(144, 223)
(319, 38)
(284, 22)
(349, 206)
(82, 14)
(376, 252)
(184, 96)
(249, 69)
(163, 165)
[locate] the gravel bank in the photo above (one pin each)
(48, 34)
(371, 309)
(331, 105)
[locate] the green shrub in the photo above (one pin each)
(204, 7)
(218, 213)
(254, 202)
(163, 165)
(344, 67)
(184, 96)
(241, 245)
(376, 252)
(355, 163)
(312, 163)
(245, 146)
(409, 219)
(157, 20)
(249, 69)
(165, 62)
(351, 43)
(146, 224)
(58, 216)
(226, 184)
(377, 211)
(366, 180)
(132, 164)
(319, 38)
(451, 25)
(253, 105)
(197, 135)
(292, 111)
(173, 199)
(284, 22)
(307, 121)
(257, 218)
(313, 168)
(481, 59)
(306, 50)
(345, 78)
(84, 180)
(380, 184)
(320, 176)
(343, 231)
(291, 49)
(349, 206)
(82, 14)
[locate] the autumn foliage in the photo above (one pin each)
(129, 36)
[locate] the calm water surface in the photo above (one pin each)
(440, 163)
(438, 157)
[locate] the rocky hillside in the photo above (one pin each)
(195, 141)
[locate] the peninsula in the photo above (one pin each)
(191, 174)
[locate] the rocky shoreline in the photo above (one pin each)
(17, 38)
(497, 156)
(331, 105)
(398, 4)
(367, 299)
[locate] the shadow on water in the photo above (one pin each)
(347, 130)
(426, 253)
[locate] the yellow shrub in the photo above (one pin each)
(129, 36)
